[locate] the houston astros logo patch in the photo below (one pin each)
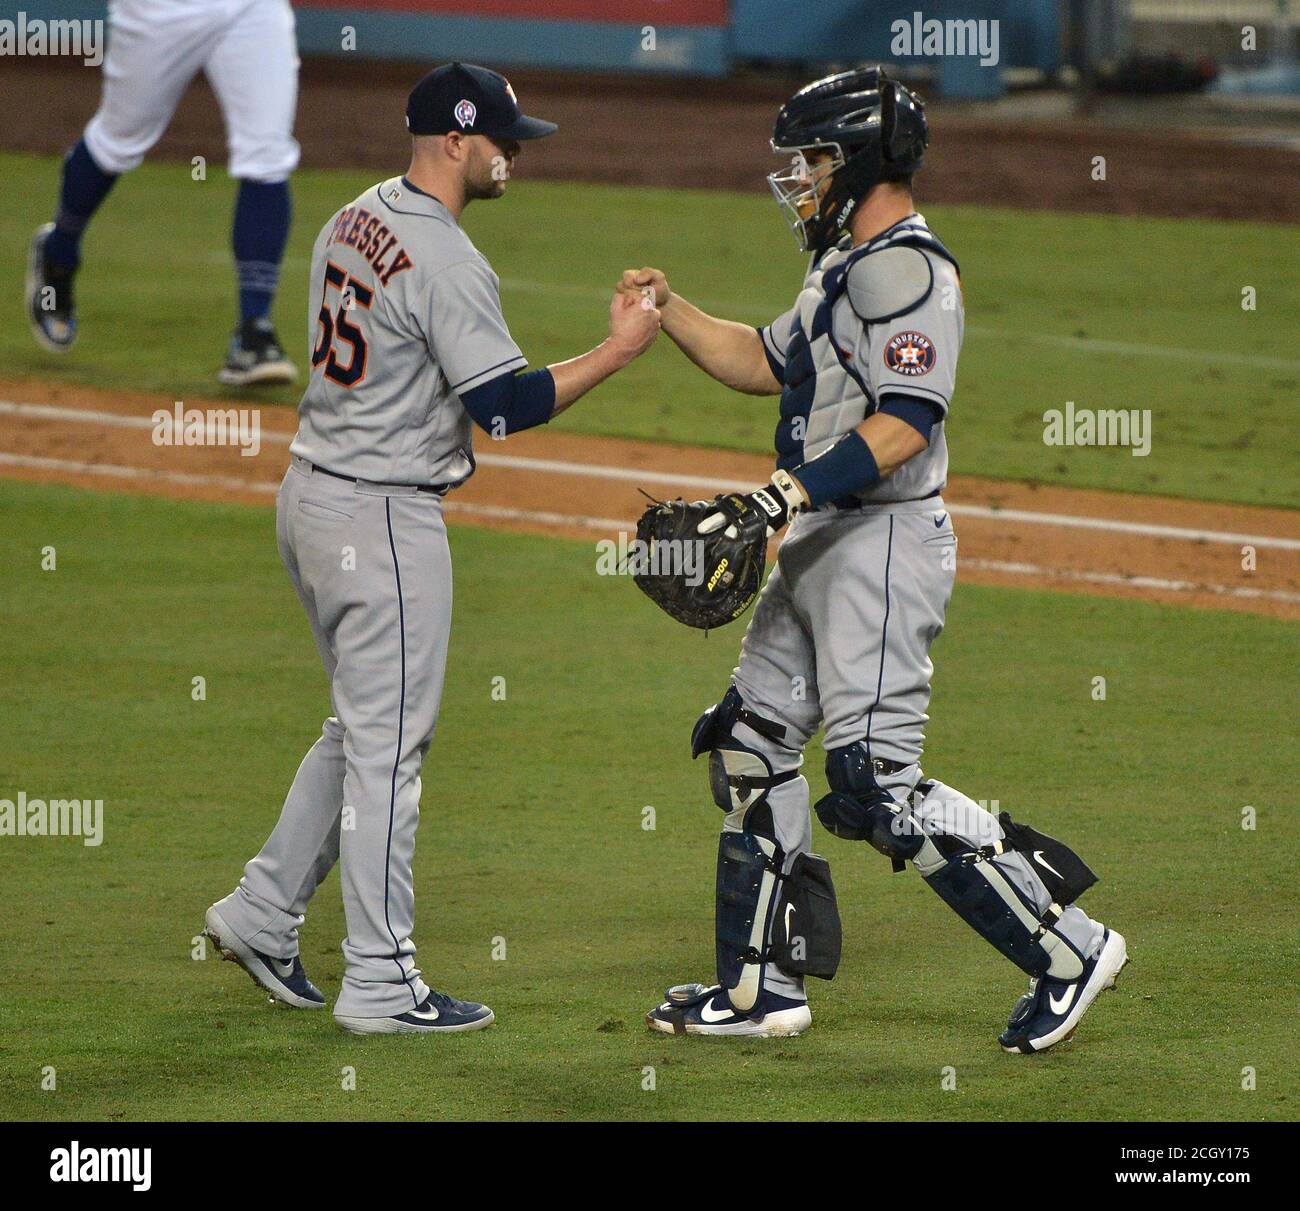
(466, 112)
(910, 353)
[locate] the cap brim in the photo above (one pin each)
(524, 127)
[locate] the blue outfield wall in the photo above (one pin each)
(803, 32)
(857, 30)
(694, 50)
(689, 50)
(777, 31)
(54, 10)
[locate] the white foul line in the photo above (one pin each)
(263, 487)
(187, 479)
(1128, 582)
(607, 524)
(712, 484)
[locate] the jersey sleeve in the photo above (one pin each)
(465, 328)
(916, 354)
(776, 337)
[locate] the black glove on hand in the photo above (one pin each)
(774, 505)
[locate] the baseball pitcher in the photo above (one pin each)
(409, 350)
(865, 364)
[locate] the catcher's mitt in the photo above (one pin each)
(703, 580)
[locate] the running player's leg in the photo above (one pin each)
(253, 69)
(154, 51)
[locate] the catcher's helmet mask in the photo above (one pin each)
(873, 129)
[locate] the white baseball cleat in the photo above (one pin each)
(701, 1009)
(1049, 1012)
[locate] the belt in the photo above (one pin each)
(432, 489)
(883, 765)
(856, 502)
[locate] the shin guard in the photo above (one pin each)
(749, 869)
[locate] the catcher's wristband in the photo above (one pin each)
(847, 468)
(792, 495)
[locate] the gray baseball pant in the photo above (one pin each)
(371, 566)
(840, 639)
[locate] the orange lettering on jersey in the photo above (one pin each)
(377, 259)
(363, 244)
(373, 240)
(341, 222)
(361, 216)
(401, 262)
(377, 241)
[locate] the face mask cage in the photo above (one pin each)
(797, 187)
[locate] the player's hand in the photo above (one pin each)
(773, 506)
(633, 324)
(634, 281)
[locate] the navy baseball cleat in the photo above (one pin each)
(255, 356)
(284, 979)
(703, 1009)
(50, 308)
(1049, 1012)
(436, 1014)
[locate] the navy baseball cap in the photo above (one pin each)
(473, 100)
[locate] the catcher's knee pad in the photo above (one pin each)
(740, 777)
(990, 887)
(766, 914)
(859, 809)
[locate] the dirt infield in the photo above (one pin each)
(552, 482)
(673, 133)
(712, 134)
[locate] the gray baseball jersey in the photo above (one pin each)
(885, 317)
(404, 314)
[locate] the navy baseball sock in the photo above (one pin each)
(261, 230)
(85, 185)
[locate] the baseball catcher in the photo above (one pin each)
(864, 364)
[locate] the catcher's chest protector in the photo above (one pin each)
(826, 390)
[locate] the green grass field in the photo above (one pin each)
(1107, 312)
(532, 833)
